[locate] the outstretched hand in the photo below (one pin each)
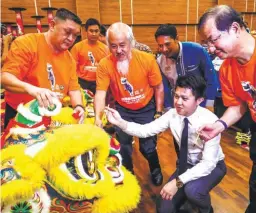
(113, 116)
(44, 96)
(79, 113)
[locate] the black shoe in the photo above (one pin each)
(157, 177)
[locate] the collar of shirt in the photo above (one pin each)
(195, 145)
(192, 119)
(180, 53)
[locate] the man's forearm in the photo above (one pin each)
(159, 97)
(75, 97)
(233, 114)
(11, 83)
(99, 103)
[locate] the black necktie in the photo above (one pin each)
(183, 148)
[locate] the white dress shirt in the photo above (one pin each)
(203, 156)
(168, 67)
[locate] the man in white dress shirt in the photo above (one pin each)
(204, 163)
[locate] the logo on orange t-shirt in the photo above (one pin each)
(51, 76)
(91, 58)
(247, 87)
(127, 86)
(52, 79)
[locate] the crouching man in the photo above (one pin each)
(200, 165)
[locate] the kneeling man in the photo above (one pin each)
(200, 165)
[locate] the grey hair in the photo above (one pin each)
(118, 28)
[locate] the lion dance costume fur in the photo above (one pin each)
(47, 166)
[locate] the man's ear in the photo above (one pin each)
(199, 101)
(177, 38)
(235, 27)
(52, 24)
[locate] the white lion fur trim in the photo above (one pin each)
(28, 114)
(33, 149)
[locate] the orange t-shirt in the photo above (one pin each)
(133, 91)
(238, 83)
(88, 57)
(31, 60)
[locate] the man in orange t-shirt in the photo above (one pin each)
(136, 84)
(87, 54)
(40, 66)
(224, 32)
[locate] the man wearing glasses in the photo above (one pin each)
(223, 30)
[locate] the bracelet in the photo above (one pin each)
(223, 123)
(79, 105)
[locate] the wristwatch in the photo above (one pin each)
(158, 114)
(179, 183)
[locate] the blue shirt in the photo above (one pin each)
(192, 59)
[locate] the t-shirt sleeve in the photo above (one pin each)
(73, 83)
(228, 96)
(154, 76)
(20, 57)
(102, 76)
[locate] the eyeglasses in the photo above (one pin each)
(211, 42)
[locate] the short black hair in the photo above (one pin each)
(166, 30)
(194, 82)
(65, 14)
(223, 15)
(103, 30)
(90, 22)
